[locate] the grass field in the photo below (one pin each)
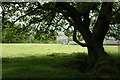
(45, 60)
(22, 50)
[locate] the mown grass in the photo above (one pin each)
(45, 60)
(22, 50)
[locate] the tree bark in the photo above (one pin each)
(97, 57)
(101, 27)
(95, 39)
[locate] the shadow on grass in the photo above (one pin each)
(55, 65)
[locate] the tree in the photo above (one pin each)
(55, 16)
(20, 32)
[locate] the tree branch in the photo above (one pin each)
(86, 20)
(67, 28)
(39, 20)
(76, 19)
(75, 39)
(23, 16)
(115, 12)
(50, 21)
(58, 22)
(102, 25)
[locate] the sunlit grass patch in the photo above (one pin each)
(22, 50)
(112, 49)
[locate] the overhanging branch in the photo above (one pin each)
(23, 16)
(115, 12)
(58, 21)
(50, 21)
(75, 39)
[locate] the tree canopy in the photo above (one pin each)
(20, 20)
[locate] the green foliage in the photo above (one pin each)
(114, 31)
(15, 34)
(44, 25)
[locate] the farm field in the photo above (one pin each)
(45, 60)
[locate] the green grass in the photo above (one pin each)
(44, 60)
(33, 67)
(22, 50)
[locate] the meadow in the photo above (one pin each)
(46, 60)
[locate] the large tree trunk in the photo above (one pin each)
(100, 62)
(96, 54)
(97, 57)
